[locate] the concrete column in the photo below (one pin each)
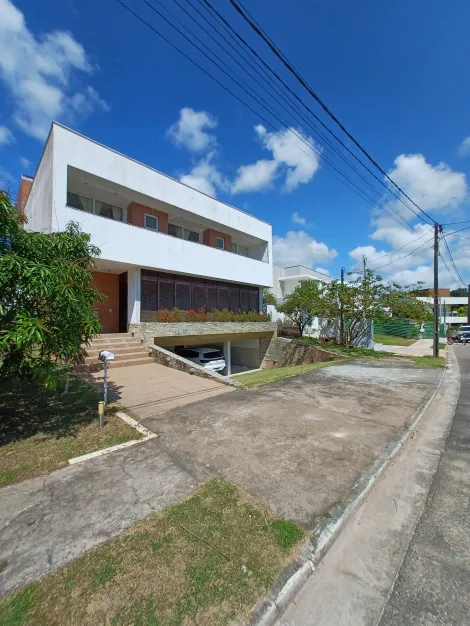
(133, 295)
(228, 356)
(260, 303)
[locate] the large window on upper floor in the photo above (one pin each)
(241, 250)
(95, 206)
(183, 233)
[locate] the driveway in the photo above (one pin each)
(298, 445)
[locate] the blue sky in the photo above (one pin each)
(396, 74)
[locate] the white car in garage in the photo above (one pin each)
(210, 358)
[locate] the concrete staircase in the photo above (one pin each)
(127, 351)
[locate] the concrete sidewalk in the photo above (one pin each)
(421, 347)
(298, 445)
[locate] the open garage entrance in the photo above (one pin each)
(242, 352)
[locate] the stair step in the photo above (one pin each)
(118, 356)
(115, 340)
(97, 366)
(94, 352)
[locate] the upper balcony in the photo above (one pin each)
(140, 230)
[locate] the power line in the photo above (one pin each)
(447, 267)
(455, 223)
(402, 257)
(452, 258)
(398, 250)
(259, 31)
(360, 192)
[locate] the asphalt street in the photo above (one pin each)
(433, 584)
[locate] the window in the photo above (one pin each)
(108, 210)
(220, 243)
(241, 250)
(151, 222)
(82, 203)
(183, 233)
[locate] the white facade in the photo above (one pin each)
(447, 308)
(74, 166)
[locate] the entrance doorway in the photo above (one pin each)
(123, 302)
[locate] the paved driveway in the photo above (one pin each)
(302, 443)
(299, 445)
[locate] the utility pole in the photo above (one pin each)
(435, 349)
(364, 262)
(468, 310)
(341, 313)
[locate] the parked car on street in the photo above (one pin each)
(463, 329)
(206, 357)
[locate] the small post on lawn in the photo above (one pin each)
(101, 413)
(105, 390)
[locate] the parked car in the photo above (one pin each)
(463, 329)
(206, 357)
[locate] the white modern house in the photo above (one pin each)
(163, 244)
(450, 308)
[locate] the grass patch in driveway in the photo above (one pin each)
(389, 340)
(426, 361)
(204, 561)
(353, 353)
(41, 429)
(254, 379)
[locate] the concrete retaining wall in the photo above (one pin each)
(170, 359)
(282, 352)
(148, 331)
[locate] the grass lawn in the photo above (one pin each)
(355, 353)
(41, 429)
(442, 346)
(426, 361)
(388, 340)
(254, 379)
(204, 561)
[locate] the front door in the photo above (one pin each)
(108, 310)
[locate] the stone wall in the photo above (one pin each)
(282, 352)
(170, 359)
(148, 331)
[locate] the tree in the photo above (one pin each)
(461, 292)
(46, 299)
(367, 298)
(269, 297)
(303, 304)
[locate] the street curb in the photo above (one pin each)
(132, 422)
(295, 575)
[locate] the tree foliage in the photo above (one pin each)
(367, 298)
(303, 304)
(461, 292)
(46, 300)
(269, 297)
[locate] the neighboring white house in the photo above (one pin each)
(448, 306)
(285, 280)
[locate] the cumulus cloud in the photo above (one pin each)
(6, 136)
(205, 177)
(435, 187)
(298, 219)
(38, 73)
(298, 248)
(190, 130)
(291, 158)
(464, 148)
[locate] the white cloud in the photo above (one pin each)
(205, 177)
(298, 219)
(257, 176)
(25, 162)
(435, 187)
(291, 157)
(39, 72)
(298, 248)
(6, 136)
(190, 131)
(464, 148)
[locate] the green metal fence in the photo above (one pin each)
(409, 329)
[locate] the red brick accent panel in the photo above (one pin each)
(136, 213)
(209, 236)
(108, 310)
(23, 193)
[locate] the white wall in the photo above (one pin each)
(136, 246)
(77, 151)
(39, 205)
